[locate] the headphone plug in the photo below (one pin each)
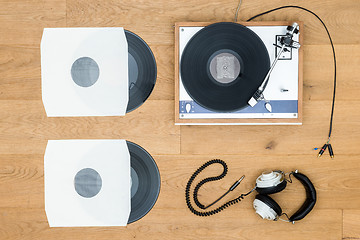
(322, 150)
(236, 183)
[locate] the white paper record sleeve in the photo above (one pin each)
(84, 71)
(87, 183)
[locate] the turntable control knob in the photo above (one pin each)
(188, 107)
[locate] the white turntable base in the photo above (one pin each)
(285, 76)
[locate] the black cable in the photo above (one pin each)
(209, 179)
(290, 179)
(333, 50)
(216, 200)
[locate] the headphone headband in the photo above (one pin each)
(310, 201)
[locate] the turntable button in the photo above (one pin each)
(188, 107)
(268, 107)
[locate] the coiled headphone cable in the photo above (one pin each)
(210, 179)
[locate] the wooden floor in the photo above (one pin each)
(178, 151)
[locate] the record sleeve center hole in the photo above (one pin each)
(88, 183)
(224, 67)
(85, 72)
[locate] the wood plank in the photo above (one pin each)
(351, 224)
(279, 139)
(22, 182)
(24, 123)
(335, 179)
(20, 67)
(21, 72)
(319, 72)
(156, 25)
(164, 87)
(23, 223)
(22, 22)
(21, 80)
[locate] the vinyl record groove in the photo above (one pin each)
(145, 179)
(245, 62)
(142, 70)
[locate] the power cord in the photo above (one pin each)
(237, 10)
(327, 144)
(209, 179)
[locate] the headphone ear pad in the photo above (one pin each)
(269, 202)
(270, 190)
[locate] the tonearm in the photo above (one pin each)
(285, 42)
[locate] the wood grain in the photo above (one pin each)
(28, 223)
(20, 68)
(155, 19)
(279, 139)
(351, 224)
(22, 21)
(178, 151)
(26, 120)
(336, 181)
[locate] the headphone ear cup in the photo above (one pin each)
(270, 190)
(266, 207)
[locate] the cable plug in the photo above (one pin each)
(322, 150)
(330, 151)
(236, 183)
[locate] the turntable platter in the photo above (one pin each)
(222, 66)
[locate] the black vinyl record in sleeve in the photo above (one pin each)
(142, 70)
(145, 182)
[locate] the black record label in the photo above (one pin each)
(142, 70)
(223, 65)
(145, 182)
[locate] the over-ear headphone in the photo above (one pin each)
(266, 184)
(274, 182)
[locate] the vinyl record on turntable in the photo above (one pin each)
(223, 65)
(145, 178)
(142, 70)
